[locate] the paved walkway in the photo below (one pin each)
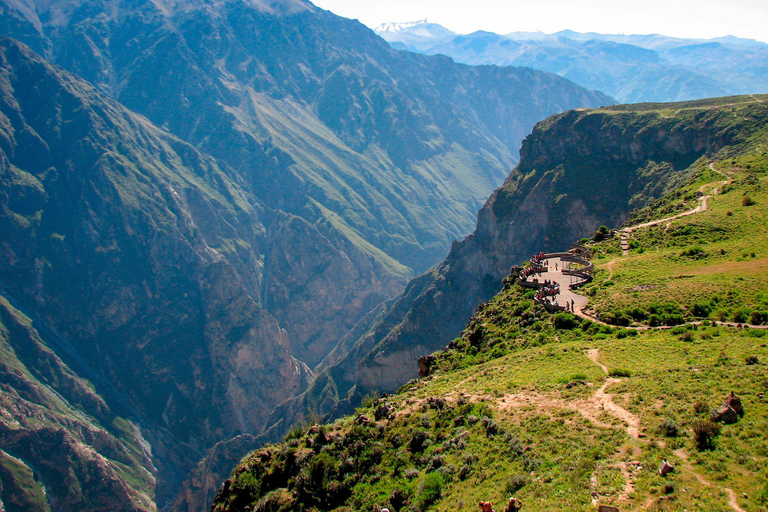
(566, 294)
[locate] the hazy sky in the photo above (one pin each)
(682, 18)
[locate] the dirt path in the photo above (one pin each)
(732, 501)
(626, 233)
(732, 498)
(606, 399)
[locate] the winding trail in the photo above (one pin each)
(628, 469)
(732, 498)
(626, 233)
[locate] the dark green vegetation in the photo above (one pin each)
(630, 68)
(578, 171)
(564, 413)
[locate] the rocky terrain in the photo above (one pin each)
(129, 332)
(384, 154)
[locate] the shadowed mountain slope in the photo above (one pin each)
(122, 253)
(388, 151)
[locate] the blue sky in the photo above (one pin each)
(681, 18)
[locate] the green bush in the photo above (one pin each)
(565, 321)
(758, 317)
(430, 489)
(702, 310)
(741, 315)
(673, 319)
(655, 320)
(747, 201)
(515, 483)
(620, 372)
(704, 434)
(668, 428)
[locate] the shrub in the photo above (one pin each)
(430, 489)
(700, 407)
(704, 433)
(515, 483)
(694, 252)
(620, 372)
(668, 428)
(747, 201)
(702, 310)
(419, 441)
(491, 427)
(369, 399)
(673, 319)
(758, 317)
(741, 315)
(686, 336)
(565, 321)
(655, 320)
(515, 446)
(411, 473)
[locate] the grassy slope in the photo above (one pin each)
(565, 418)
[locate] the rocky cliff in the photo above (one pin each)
(577, 171)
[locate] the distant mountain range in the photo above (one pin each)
(629, 68)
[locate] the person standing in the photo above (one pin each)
(514, 505)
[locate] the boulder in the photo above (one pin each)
(425, 365)
(734, 402)
(725, 414)
(666, 468)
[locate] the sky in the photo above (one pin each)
(701, 19)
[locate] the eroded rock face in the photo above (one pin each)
(125, 249)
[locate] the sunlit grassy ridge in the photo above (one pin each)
(566, 413)
(711, 265)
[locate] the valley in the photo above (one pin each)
(229, 230)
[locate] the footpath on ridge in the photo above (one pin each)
(558, 275)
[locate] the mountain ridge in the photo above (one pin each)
(630, 68)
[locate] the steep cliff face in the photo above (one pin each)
(125, 247)
(389, 152)
(578, 170)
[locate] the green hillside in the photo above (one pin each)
(567, 413)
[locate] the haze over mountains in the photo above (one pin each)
(629, 68)
(199, 208)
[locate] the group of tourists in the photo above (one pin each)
(529, 271)
(538, 259)
(550, 289)
(514, 505)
